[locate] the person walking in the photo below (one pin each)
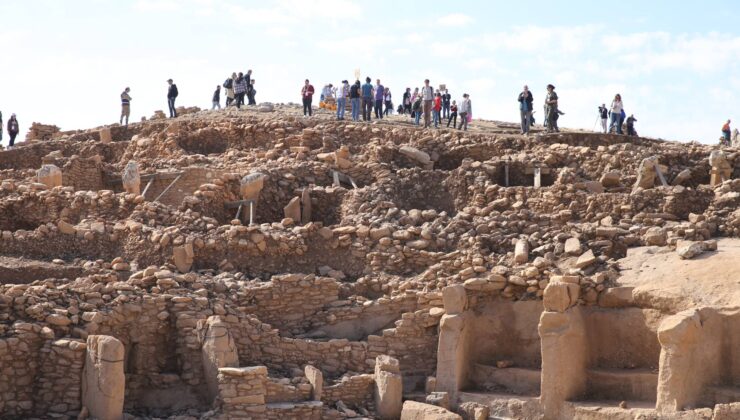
(229, 86)
(388, 99)
(407, 101)
(726, 132)
(525, 109)
(307, 96)
(551, 109)
(354, 98)
(616, 114)
(437, 108)
(379, 94)
(367, 100)
(604, 115)
(216, 100)
(171, 96)
(240, 90)
(453, 115)
(342, 92)
(427, 95)
(446, 97)
(12, 129)
(125, 106)
(466, 108)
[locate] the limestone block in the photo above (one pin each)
(646, 173)
(183, 257)
(559, 297)
(417, 155)
(131, 178)
(293, 209)
(103, 380)
(594, 187)
(454, 299)
(265, 107)
(586, 259)
(682, 177)
(413, 410)
(66, 228)
(218, 350)
(727, 411)
(388, 388)
(573, 246)
(452, 354)
(440, 399)
(616, 297)
(681, 376)
(105, 135)
(521, 251)
(610, 179)
(656, 236)
(251, 185)
(306, 205)
(689, 250)
(316, 379)
(50, 175)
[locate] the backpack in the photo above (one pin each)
(228, 83)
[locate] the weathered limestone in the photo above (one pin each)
(306, 205)
(681, 177)
(218, 351)
(417, 155)
(413, 410)
(103, 380)
(183, 256)
(573, 246)
(455, 299)
(564, 359)
(440, 399)
(521, 251)
(131, 178)
(105, 135)
(388, 387)
(452, 354)
(610, 179)
(721, 168)
(646, 173)
(293, 209)
(251, 186)
(49, 175)
(560, 296)
(316, 379)
(679, 378)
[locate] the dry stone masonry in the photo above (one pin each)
(254, 264)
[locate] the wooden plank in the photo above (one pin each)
(335, 175)
(167, 189)
(148, 184)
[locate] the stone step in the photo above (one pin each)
(722, 394)
(622, 384)
(514, 380)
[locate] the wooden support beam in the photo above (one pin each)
(148, 184)
(239, 211)
(660, 175)
(339, 177)
(537, 178)
(167, 189)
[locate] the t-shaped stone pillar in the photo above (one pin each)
(218, 351)
(131, 178)
(103, 380)
(721, 168)
(388, 388)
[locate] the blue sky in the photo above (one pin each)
(66, 62)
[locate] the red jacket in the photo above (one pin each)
(437, 103)
(307, 91)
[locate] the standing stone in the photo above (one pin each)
(454, 299)
(251, 185)
(50, 175)
(682, 373)
(105, 135)
(183, 256)
(388, 387)
(293, 209)
(646, 173)
(417, 155)
(521, 251)
(218, 351)
(721, 168)
(316, 379)
(103, 380)
(306, 204)
(131, 178)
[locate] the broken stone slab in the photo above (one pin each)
(316, 379)
(611, 179)
(414, 410)
(103, 380)
(646, 173)
(131, 178)
(616, 297)
(440, 399)
(251, 185)
(105, 135)
(559, 296)
(454, 299)
(689, 250)
(183, 256)
(417, 155)
(586, 259)
(388, 387)
(293, 209)
(521, 251)
(218, 350)
(49, 175)
(573, 246)
(681, 177)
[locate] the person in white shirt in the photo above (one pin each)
(616, 112)
(342, 93)
(427, 97)
(466, 108)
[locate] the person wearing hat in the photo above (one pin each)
(342, 93)
(12, 129)
(125, 106)
(551, 109)
(171, 96)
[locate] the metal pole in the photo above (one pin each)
(167, 189)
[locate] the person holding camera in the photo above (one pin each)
(604, 115)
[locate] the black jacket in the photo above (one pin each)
(172, 91)
(529, 100)
(217, 95)
(354, 91)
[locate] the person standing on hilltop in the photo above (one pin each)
(12, 129)
(525, 109)
(437, 108)
(427, 97)
(125, 106)
(727, 132)
(240, 89)
(446, 97)
(551, 109)
(453, 115)
(250, 95)
(388, 99)
(171, 96)
(342, 92)
(407, 101)
(616, 114)
(229, 86)
(466, 108)
(354, 99)
(379, 92)
(367, 100)
(307, 96)
(216, 98)
(604, 115)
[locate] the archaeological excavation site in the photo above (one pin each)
(255, 264)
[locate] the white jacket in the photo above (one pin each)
(617, 107)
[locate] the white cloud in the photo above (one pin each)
(455, 19)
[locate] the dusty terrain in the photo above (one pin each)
(387, 272)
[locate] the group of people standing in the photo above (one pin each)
(13, 129)
(616, 116)
(526, 110)
(237, 87)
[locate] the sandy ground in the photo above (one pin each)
(661, 279)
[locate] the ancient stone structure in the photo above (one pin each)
(388, 272)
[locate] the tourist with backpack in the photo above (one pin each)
(525, 109)
(466, 109)
(229, 86)
(12, 129)
(453, 115)
(416, 110)
(354, 98)
(171, 96)
(252, 92)
(631, 127)
(727, 132)
(604, 116)
(427, 95)
(307, 95)
(367, 100)
(216, 98)
(125, 106)
(240, 90)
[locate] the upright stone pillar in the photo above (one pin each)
(388, 388)
(721, 168)
(452, 349)
(680, 378)
(316, 379)
(103, 380)
(306, 205)
(49, 175)
(131, 178)
(218, 351)
(646, 173)
(105, 135)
